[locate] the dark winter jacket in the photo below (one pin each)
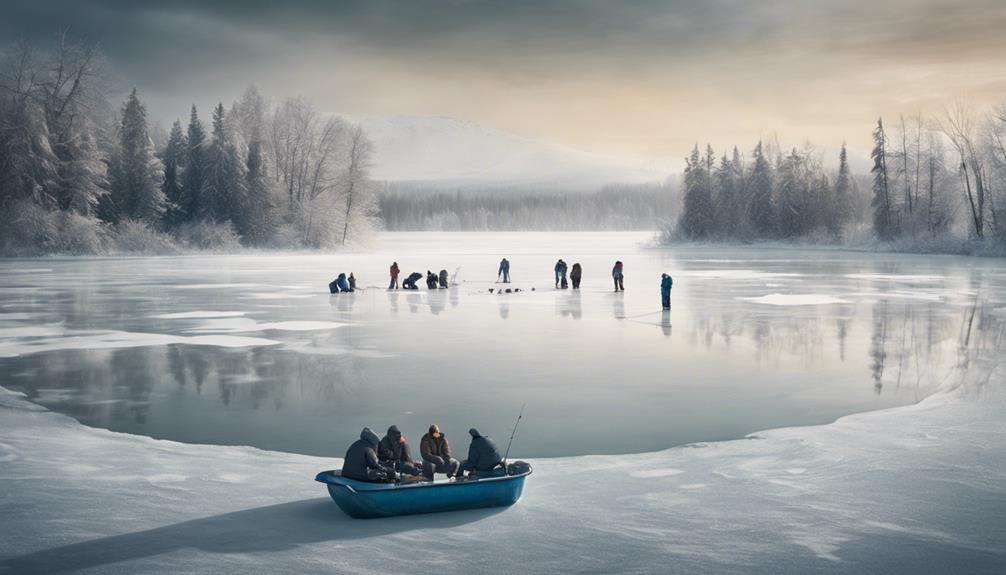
(443, 278)
(392, 450)
(560, 267)
(504, 266)
(576, 272)
(483, 455)
(665, 285)
(616, 272)
(352, 283)
(361, 457)
(394, 270)
(431, 280)
(410, 282)
(342, 283)
(435, 449)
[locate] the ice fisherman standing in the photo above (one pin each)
(666, 283)
(616, 274)
(394, 276)
(504, 271)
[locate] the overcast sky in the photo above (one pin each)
(632, 77)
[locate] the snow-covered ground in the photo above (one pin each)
(760, 339)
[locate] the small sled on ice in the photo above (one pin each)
(364, 500)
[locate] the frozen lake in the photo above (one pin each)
(252, 350)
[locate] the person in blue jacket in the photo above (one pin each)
(560, 275)
(340, 284)
(666, 283)
(504, 271)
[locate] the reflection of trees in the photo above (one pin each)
(878, 345)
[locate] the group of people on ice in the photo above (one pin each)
(433, 281)
(441, 280)
(576, 274)
(389, 459)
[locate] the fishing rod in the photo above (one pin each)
(512, 433)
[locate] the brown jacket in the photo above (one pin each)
(434, 449)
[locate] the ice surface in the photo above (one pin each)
(711, 368)
(795, 299)
(919, 489)
(913, 490)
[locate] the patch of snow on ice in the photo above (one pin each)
(735, 274)
(244, 324)
(214, 286)
(795, 299)
(198, 314)
(650, 473)
(17, 344)
(896, 277)
(277, 295)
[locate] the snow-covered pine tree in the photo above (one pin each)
(261, 217)
(194, 174)
(883, 212)
(223, 193)
(136, 173)
(761, 211)
(727, 198)
(697, 218)
(841, 209)
(789, 203)
(173, 158)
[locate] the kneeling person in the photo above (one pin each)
(484, 459)
(393, 451)
(361, 461)
(436, 454)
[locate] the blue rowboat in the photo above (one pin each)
(364, 500)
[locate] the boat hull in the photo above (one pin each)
(364, 500)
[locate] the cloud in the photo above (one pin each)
(635, 76)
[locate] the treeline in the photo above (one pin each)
(782, 197)
(935, 185)
(78, 177)
(627, 207)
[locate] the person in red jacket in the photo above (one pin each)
(394, 276)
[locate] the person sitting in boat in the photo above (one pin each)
(484, 459)
(361, 461)
(436, 453)
(393, 451)
(410, 282)
(443, 279)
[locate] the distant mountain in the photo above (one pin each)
(457, 154)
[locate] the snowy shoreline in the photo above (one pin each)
(918, 487)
